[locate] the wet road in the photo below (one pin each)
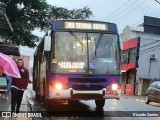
(113, 109)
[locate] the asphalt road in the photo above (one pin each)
(113, 109)
(121, 110)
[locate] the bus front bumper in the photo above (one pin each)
(83, 95)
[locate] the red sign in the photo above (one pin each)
(129, 89)
(126, 67)
(130, 44)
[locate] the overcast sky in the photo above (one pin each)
(121, 12)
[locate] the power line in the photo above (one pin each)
(112, 14)
(149, 43)
(124, 10)
(154, 13)
(150, 13)
(157, 1)
(141, 6)
(156, 46)
(141, 21)
(131, 10)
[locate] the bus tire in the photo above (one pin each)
(100, 103)
(49, 104)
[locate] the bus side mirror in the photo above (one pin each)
(47, 43)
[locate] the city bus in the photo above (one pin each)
(78, 60)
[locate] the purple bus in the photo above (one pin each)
(78, 60)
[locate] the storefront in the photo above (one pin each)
(129, 66)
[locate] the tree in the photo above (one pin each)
(26, 15)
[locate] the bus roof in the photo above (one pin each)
(83, 25)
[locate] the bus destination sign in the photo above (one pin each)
(86, 26)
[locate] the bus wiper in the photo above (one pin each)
(77, 39)
(98, 42)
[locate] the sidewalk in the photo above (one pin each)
(139, 99)
(134, 97)
(25, 107)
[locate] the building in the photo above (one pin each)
(141, 56)
(4, 22)
(6, 46)
(26, 60)
(129, 65)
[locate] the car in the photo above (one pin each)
(153, 93)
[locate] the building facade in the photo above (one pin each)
(147, 66)
(129, 65)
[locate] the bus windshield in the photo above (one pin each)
(86, 53)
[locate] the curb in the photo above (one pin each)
(151, 103)
(139, 100)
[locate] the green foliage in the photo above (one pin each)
(59, 12)
(26, 15)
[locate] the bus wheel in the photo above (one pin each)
(100, 103)
(49, 104)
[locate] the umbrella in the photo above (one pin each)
(9, 66)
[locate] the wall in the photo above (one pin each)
(26, 60)
(149, 44)
(147, 70)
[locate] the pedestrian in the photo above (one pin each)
(9, 82)
(19, 85)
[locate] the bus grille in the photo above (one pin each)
(87, 96)
(85, 87)
(86, 80)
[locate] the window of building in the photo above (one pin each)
(133, 55)
(125, 57)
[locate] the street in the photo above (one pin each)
(114, 109)
(56, 55)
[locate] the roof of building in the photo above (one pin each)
(137, 29)
(9, 50)
(4, 22)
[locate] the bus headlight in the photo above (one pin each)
(114, 86)
(58, 86)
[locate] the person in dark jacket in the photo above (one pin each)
(19, 85)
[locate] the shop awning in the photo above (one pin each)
(125, 67)
(9, 50)
(4, 23)
(123, 70)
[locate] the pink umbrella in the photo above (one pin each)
(9, 66)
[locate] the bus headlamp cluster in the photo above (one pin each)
(114, 86)
(58, 86)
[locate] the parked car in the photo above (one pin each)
(153, 93)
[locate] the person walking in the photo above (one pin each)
(19, 85)
(9, 82)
